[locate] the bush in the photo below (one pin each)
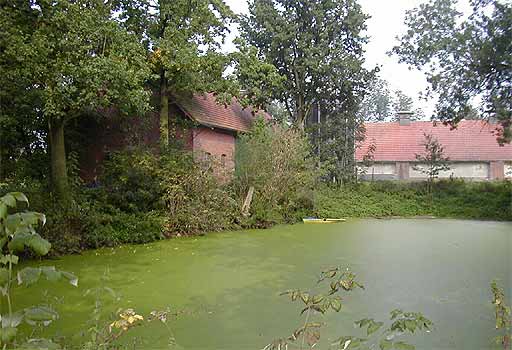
(109, 230)
(195, 201)
(277, 162)
(131, 181)
(450, 198)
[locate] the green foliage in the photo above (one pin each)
(195, 200)
(401, 324)
(130, 181)
(118, 227)
(72, 59)
(277, 162)
(381, 104)
(376, 105)
(18, 232)
(143, 194)
(468, 60)
(452, 198)
(314, 303)
(259, 80)
(502, 315)
(304, 40)
(186, 37)
(433, 160)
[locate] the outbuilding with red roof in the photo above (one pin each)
(199, 122)
(471, 147)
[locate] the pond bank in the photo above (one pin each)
(450, 199)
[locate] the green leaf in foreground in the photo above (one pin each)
(40, 314)
(385, 344)
(403, 346)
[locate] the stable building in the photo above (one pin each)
(472, 149)
(198, 122)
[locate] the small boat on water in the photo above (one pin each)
(322, 221)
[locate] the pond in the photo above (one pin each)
(227, 285)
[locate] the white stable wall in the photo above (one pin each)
(471, 170)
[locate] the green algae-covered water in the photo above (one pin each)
(226, 286)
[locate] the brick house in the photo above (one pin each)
(198, 122)
(216, 126)
(472, 149)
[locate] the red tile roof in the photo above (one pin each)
(472, 140)
(204, 109)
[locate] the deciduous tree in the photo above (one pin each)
(314, 44)
(185, 39)
(377, 104)
(433, 160)
(78, 60)
(468, 60)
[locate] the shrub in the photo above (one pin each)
(131, 180)
(112, 229)
(195, 200)
(277, 162)
(451, 198)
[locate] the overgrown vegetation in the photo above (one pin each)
(502, 315)
(450, 199)
(433, 160)
(17, 232)
(277, 162)
(144, 194)
(314, 303)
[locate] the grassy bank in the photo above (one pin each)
(450, 198)
(97, 218)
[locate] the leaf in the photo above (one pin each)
(17, 243)
(395, 313)
(40, 314)
(3, 210)
(20, 197)
(410, 325)
(373, 327)
(13, 259)
(400, 345)
(334, 285)
(336, 305)
(73, 280)
(4, 276)
(9, 200)
(40, 344)
(51, 273)
(7, 334)
(318, 299)
(29, 276)
(32, 218)
(304, 297)
(31, 240)
(13, 321)
(347, 284)
(385, 344)
(363, 322)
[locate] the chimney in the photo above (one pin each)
(404, 117)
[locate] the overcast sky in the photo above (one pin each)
(386, 22)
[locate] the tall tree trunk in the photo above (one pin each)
(164, 111)
(1, 160)
(301, 111)
(58, 159)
